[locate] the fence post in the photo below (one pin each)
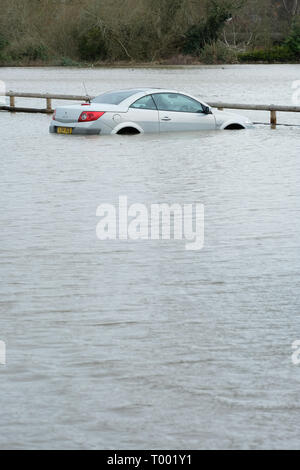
(49, 105)
(12, 102)
(273, 119)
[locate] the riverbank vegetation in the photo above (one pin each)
(171, 32)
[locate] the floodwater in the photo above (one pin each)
(142, 344)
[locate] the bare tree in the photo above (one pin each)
(291, 6)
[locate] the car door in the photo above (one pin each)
(178, 112)
(144, 113)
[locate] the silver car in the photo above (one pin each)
(143, 110)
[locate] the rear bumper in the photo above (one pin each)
(82, 128)
(76, 130)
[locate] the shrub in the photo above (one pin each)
(3, 45)
(34, 52)
(27, 51)
(207, 32)
(68, 62)
(3, 42)
(293, 40)
(271, 55)
(217, 53)
(289, 51)
(92, 46)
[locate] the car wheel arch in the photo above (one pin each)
(229, 125)
(234, 126)
(129, 128)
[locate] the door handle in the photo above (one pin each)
(166, 119)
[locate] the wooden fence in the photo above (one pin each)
(273, 109)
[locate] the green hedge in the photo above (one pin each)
(272, 55)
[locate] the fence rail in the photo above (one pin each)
(272, 108)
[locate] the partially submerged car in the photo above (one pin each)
(143, 110)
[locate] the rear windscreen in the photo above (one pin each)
(115, 97)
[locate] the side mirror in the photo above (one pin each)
(207, 110)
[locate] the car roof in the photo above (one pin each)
(136, 93)
(143, 89)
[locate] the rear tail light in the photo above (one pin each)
(88, 116)
(54, 115)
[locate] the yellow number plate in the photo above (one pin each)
(64, 130)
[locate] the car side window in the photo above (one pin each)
(177, 102)
(144, 103)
